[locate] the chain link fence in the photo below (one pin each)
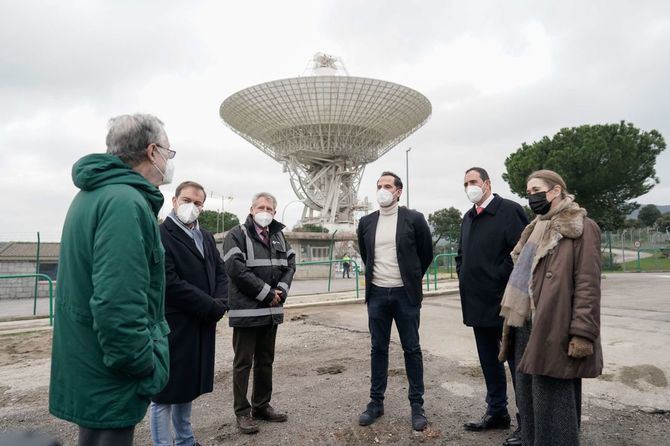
(636, 249)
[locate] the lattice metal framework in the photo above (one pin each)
(325, 129)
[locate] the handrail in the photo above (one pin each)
(448, 254)
(51, 293)
(330, 262)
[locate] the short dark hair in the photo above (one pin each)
(186, 184)
(397, 182)
(483, 174)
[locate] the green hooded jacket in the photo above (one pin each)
(110, 348)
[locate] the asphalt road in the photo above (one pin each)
(635, 318)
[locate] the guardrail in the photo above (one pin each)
(449, 257)
(330, 262)
(51, 291)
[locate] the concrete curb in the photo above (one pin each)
(354, 300)
(24, 326)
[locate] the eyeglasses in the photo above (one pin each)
(170, 153)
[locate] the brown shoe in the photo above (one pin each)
(246, 424)
(269, 414)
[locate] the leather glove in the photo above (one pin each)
(580, 347)
(217, 311)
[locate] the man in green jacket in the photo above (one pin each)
(110, 348)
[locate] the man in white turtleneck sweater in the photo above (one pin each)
(396, 247)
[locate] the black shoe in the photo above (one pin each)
(419, 420)
(497, 421)
(246, 424)
(269, 414)
(514, 439)
(372, 412)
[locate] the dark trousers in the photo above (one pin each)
(550, 408)
(345, 270)
(253, 345)
(106, 437)
(488, 341)
(386, 305)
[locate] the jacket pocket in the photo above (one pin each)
(280, 252)
(153, 384)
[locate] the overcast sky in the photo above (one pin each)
(497, 73)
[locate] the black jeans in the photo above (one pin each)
(488, 346)
(253, 345)
(386, 305)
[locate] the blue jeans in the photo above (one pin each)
(180, 415)
(386, 305)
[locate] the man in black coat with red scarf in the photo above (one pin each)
(489, 232)
(196, 290)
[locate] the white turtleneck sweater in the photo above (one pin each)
(386, 272)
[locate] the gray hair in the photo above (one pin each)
(266, 195)
(129, 136)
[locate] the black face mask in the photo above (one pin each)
(538, 203)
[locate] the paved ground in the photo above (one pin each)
(636, 331)
(627, 255)
(322, 378)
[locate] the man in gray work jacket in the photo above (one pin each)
(260, 265)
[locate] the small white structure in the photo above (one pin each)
(21, 258)
(324, 128)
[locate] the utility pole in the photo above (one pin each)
(407, 175)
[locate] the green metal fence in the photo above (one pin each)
(37, 276)
(450, 264)
(331, 262)
(636, 250)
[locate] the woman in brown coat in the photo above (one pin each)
(552, 304)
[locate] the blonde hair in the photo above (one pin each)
(551, 179)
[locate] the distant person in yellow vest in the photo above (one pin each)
(346, 265)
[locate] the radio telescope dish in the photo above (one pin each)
(324, 128)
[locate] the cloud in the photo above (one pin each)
(497, 74)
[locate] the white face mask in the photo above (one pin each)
(169, 170)
(188, 213)
(474, 193)
(263, 219)
(384, 198)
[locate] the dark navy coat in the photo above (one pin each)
(483, 262)
(196, 289)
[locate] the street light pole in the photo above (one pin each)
(407, 175)
(223, 212)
